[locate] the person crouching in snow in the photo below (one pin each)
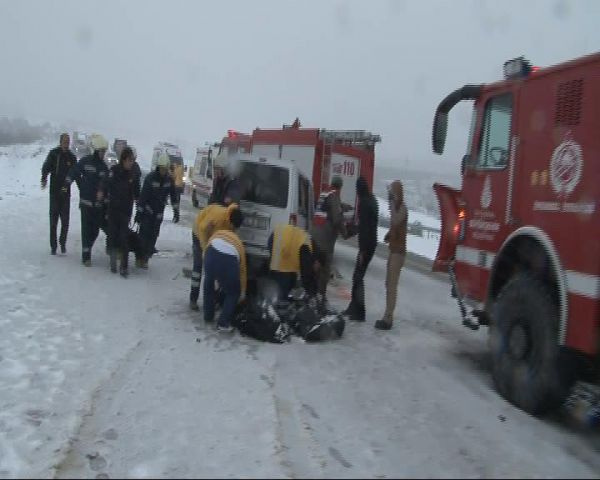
(158, 185)
(292, 253)
(121, 193)
(209, 220)
(225, 262)
(396, 239)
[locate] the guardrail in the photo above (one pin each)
(415, 228)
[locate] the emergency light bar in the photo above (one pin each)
(354, 136)
(517, 68)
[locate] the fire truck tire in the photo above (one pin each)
(194, 199)
(528, 367)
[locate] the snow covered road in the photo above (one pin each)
(106, 377)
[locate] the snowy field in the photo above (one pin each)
(109, 377)
(423, 246)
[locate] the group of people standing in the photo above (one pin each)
(329, 224)
(294, 252)
(106, 201)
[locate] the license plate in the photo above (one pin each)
(261, 223)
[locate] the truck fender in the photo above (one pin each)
(496, 280)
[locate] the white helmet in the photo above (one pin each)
(98, 142)
(163, 160)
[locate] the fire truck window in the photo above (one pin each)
(495, 138)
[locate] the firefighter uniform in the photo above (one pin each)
(57, 165)
(208, 221)
(291, 254)
(90, 174)
(150, 209)
(224, 262)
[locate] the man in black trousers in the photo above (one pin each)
(58, 163)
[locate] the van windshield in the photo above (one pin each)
(264, 184)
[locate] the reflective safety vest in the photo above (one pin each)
(285, 254)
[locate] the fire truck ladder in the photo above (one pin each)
(478, 317)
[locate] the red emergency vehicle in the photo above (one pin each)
(318, 153)
(520, 239)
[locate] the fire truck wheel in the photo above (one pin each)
(194, 199)
(524, 346)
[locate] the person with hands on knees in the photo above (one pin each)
(58, 163)
(90, 174)
(225, 263)
(158, 185)
(210, 219)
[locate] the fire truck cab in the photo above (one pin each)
(520, 239)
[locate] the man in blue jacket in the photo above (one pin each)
(158, 185)
(90, 174)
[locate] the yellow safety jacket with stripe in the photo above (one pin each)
(211, 219)
(285, 253)
(231, 238)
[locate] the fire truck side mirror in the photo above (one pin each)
(440, 128)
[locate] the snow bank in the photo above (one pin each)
(425, 220)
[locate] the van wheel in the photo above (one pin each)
(194, 199)
(528, 366)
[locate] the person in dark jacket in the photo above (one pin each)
(121, 193)
(158, 185)
(90, 174)
(367, 242)
(58, 163)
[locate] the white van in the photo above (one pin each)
(272, 192)
(202, 176)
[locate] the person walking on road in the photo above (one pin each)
(158, 185)
(225, 263)
(90, 174)
(396, 239)
(121, 193)
(328, 223)
(58, 163)
(209, 220)
(367, 243)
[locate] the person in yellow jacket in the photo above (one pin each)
(209, 220)
(225, 262)
(294, 253)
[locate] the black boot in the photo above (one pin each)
(113, 261)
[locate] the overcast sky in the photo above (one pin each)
(190, 70)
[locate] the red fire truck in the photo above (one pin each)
(520, 240)
(318, 153)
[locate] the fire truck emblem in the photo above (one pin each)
(486, 194)
(566, 166)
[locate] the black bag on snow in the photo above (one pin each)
(259, 320)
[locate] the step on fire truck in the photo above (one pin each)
(520, 240)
